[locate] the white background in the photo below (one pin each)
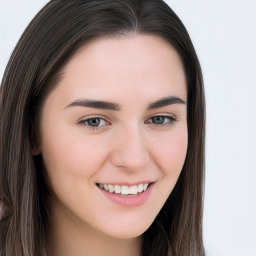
(224, 35)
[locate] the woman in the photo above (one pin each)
(102, 133)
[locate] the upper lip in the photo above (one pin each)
(126, 183)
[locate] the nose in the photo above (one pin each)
(130, 151)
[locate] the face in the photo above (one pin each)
(114, 126)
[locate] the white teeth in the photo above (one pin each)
(110, 188)
(117, 189)
(133, 190)
(145, 186)
(140, 188)
(125, 190)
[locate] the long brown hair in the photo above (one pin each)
(51, 39)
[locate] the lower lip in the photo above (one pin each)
(129, 201)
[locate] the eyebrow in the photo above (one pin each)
(95, 104)
(116, 107)
(165, 102)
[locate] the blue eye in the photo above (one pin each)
(94, 122)
(158, 119)
(162, 120)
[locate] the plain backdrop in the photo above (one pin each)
(224, 35)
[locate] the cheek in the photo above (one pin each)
(69, 155)
(172, 153)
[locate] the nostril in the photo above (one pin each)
(130, 162)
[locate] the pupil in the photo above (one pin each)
(158, 119)
(94, 122)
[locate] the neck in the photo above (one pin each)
(70, 236)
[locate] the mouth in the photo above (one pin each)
(122, 190)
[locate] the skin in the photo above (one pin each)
(132, 71)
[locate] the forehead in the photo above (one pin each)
(143, 63)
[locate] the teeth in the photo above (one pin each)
(145, 186)
(110, 188)
(133, 190)
(140, 188)
(125, 190)
(117, 189)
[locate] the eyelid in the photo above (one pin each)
(84, 118)
(82, 121)
(172, 119)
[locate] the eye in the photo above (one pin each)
(94, 122)
(161, 120)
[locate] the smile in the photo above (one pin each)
(124, 190)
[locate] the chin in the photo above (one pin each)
(128, 231)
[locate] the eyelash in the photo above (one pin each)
(168, 121)
(85, 122)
